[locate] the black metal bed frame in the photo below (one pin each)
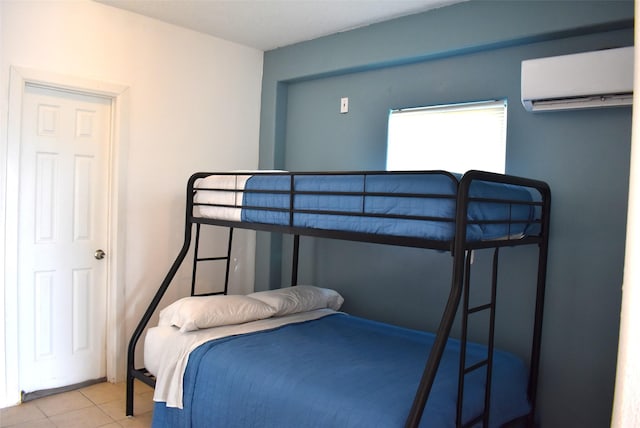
(459, 247)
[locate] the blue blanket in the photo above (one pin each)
(338, 371)
(417, 205)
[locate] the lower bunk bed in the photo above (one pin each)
(332, 370)
(288, 358)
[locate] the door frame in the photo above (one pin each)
(116, 164)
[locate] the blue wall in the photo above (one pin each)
(469, 51)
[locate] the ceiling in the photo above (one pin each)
(269, 24)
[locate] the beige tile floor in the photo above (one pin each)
(101, 405)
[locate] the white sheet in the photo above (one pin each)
(166, 350)
(231, 193)
(222, 197)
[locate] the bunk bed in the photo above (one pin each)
(349, 371)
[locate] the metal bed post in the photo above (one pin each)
(196, 249)
(492, 329)
(228, 269)
(540, 291)
(296, 255)
(296, 237)
(446, 322)
(132, 372)
(460, 254)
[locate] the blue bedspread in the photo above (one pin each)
(338, 371)
(356, 202)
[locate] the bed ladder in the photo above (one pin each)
(196, 259)
(486, 363)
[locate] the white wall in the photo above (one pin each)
(626, 407)
(193, 105)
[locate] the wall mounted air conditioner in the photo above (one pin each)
(584, 80)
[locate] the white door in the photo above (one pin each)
(62, 224)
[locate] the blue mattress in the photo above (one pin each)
(338, 371)
(421, 205)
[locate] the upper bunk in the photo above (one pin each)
(426, 209)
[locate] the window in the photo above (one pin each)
(454, 137)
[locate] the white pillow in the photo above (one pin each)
(300, 298)
(197, 312)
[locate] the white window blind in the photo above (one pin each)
(455, 137)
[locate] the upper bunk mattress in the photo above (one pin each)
(421, 204)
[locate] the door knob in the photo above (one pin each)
(99, 254)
